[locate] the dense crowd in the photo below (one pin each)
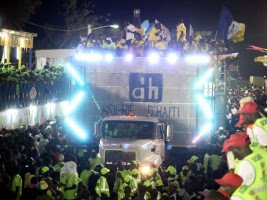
(237, 96)
(11, 74)
(133, 38)
(38, 163)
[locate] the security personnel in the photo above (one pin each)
(195, 159)
(86, 173)
(159, 187)
(183, 174)
(171, 174)
(94, 159)
(136, 175)
(153, 176)
(257, 125)
(148, 189)
(60, 163)
(102, 187)
(128, 181)
(252, 167)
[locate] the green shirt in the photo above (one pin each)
(73, 180)
(17, 182)
(95, 161)
(85, 175)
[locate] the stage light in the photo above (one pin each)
(153, 58)
(172, 58)
(116, 26)
(79, 132)
(74, 74)
(51, 107)
(197, 59)
(75, 102)
(204, 130)
(108, 57)
(204, 78)
(11, 112)
(129, 57)
(33, 109)
(88, 57)
(205, 107)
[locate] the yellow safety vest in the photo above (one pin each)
(102, 186)
(258, 189)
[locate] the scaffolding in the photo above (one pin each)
(15, 39)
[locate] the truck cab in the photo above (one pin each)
(129, 138)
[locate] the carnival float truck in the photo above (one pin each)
(136, 105)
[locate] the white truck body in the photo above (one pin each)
(160, 90)
(148, 148)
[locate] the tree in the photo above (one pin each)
(76, 14)
(14, 13)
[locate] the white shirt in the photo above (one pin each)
(260, 135)
(247, 172)
(42, 144)
(129, 35)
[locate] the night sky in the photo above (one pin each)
(203, 15)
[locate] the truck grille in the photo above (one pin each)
(112, 157)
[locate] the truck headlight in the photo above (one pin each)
(145, 169)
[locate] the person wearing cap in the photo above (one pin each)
(102, 187)
(136, 175)
(159, 187)
(128, 181)
(60, 163)
(148, 188)
(86, 173)
(109, 44)
(229, 184)
(43, 188)
(153, 176)
(251, 166)
(120, 174)
(171, 174)
(69, 180)
(95, 159)
(183, 174)
(257, 125)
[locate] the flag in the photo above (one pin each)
(236, 32)
(229, 55)
(191, 31)
(226, 19)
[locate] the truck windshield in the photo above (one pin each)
(128, 129)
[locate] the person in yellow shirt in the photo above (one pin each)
(138, 45)
(154, 34)
(181, 31)
(16, 183)
(161, 44)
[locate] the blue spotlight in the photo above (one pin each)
(74, 103)
(204, 130)
(75, 75)
(79, 132)
(204, 78)
(205, 107)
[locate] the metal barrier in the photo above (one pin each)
(19, 95)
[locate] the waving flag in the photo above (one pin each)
(226, 19)
(236, 32)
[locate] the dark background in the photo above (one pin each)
(202, 14)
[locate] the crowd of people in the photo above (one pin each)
(133, 38)
(11, 74)
(38, 163)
